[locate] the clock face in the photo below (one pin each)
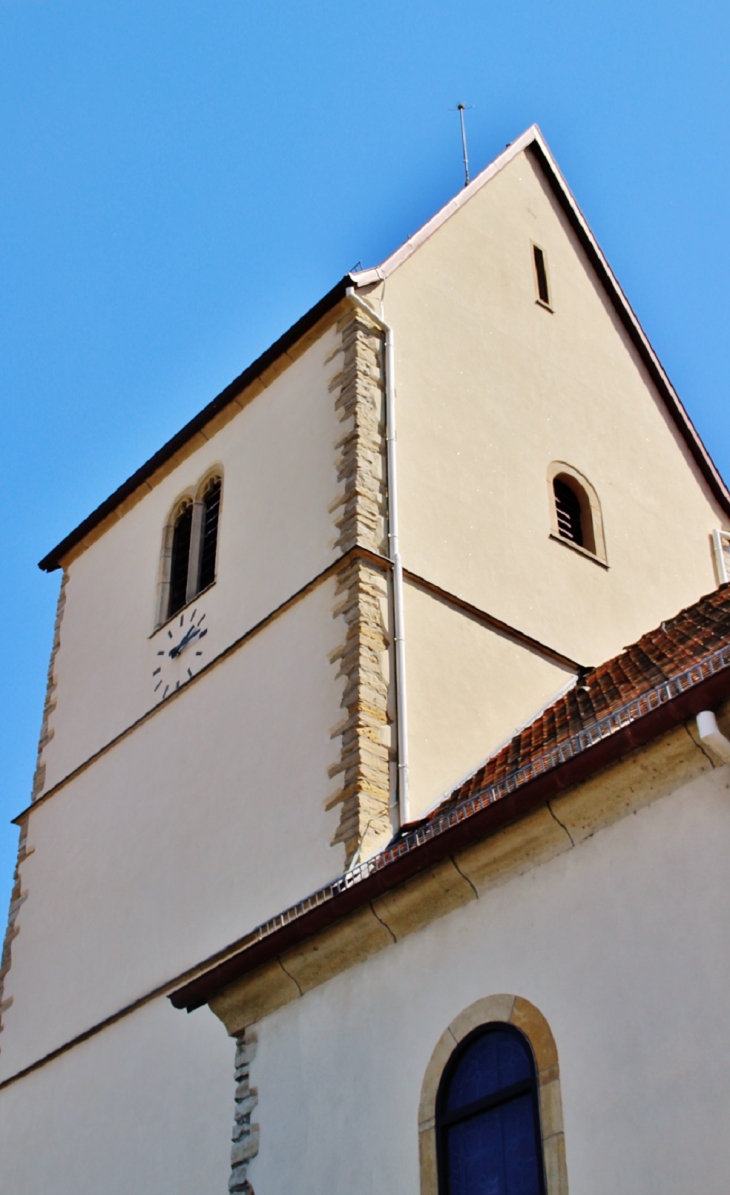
(181, 653)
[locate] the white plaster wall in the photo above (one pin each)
(202, 823)
(624, 946)
(469, 689)
(144, 1107)
(276, 533)
(492, 388)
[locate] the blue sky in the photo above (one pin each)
(182, 180)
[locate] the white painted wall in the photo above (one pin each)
(276, 533)
(624, 946)
(204, 822)
(146, 1107)
(469, 689)
(492, 388)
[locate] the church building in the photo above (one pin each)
(379, 831)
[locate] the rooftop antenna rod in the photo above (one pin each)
(461, 109)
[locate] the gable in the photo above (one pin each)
(300, 335)
(494, 389)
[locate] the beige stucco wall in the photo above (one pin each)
(469, 688)
(622, 943)
(144, 1107)
(276, 533)
(491, 388)
(204, 822)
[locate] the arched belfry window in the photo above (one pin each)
(189, 548)
(575, 512)
(211, 501)
(488, 1117)
(567, 509)
(180, 561)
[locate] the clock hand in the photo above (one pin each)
(175, 651)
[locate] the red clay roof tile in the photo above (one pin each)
(658, 656)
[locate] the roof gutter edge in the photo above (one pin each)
(342, 899)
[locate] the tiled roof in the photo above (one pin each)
(664, 679)
(659, 656)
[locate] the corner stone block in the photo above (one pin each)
(246, 1148)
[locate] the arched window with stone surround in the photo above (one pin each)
(488, 1116)
(189, 547)
(575, 511)
(463, 1066)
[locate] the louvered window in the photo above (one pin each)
(192, 562)
(721, 541)
(180, 562)
(488, 1118)
(211, 508)
(567, 507)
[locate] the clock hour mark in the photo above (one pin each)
(182, 619)
(165, 691)
(160, 653)
(192, 616)
(202, 616)
(190, 674)
(158, 685)
(169, 634)
(198, 653)
(203, 632)
(157, 671)
(177, 684)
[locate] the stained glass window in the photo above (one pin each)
(488, 1117)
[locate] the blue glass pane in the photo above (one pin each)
(495, 1060)
(495, 1153)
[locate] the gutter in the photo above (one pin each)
(571, 761)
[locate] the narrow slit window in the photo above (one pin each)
(180, 560)
(541, 276)
(567, 508)
(211, 509)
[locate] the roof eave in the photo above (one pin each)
(230, 965)
(54, 559)
(531, 141)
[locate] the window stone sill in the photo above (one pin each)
(568, 543)
(161, 626)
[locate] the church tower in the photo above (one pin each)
(459, 481)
